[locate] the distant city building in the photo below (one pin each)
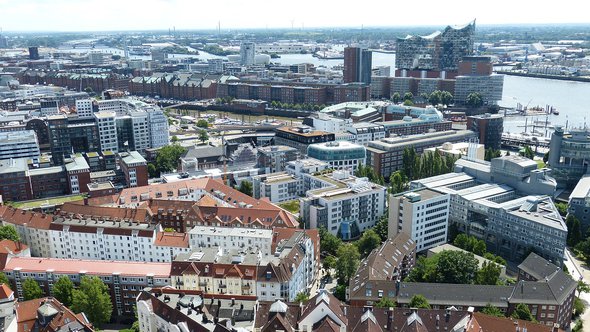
(247, 53)
(430, 120)
(569, 155)
(215, 66)
(33, 53)
(489, 128)
(476, 75)
(423, 215)
(357, 65)
(439, 51)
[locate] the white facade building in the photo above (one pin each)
(423, 215)
(247, 53)
(158, 128)
(141, 130)
(107, 130)
(231, 238)
(84, 108)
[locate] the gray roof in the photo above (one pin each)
(456, 294)
(205, 151)
(538, 267)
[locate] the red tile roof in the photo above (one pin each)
(12, 247)
(501, 324)
(166, 239)
(5, 291)
(91, 267)
(140, 215)
(22, 217)
(26, 313)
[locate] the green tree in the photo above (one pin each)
(395, 97)
(408, 96)
(174, 139)
(329, 263)
(168, 157)
(527, 152)
(368, 241)
(579, 307)
(583, 287)
(246, 187)
(62, 290)
(8, 232)
(408, 102)
(492, 311)
(89, 90)
(152, 171)
(398, 182)
(446, 98)
(92, 297)
(4, 280)
(435, 98)
(203, 136)
(489, 274)
(202, 123)
(424, 270)
(329, 242)
(479, 248)
(461, 241)
(301, 297)
(546, 157)
(347, 262)
(340, 292)
(381, 227)
(561, 208)
(574, 230)
(419, 301)
(523, 312)
(456, 267)
(474, 100)
(491, 153)
(31, 289)
(385, 302)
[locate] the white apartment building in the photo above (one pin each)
(141, 130)
(278, 187)
(96, 239)
(423, 215)
(107, 130)
(346, 206)
(158, 127)
(232, 238)
(19, 144)
(84, 108)
(364, 132)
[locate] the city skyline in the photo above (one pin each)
(108, 15)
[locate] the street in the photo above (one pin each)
(579, 270)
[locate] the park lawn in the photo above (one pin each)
(291, 206)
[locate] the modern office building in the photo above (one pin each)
(107, 130)
(357, 65)
(247, 53)
(475, 75)
(134, 168)
(33, 53)
(430, 120)
(439, 51)
(344, 205)
(300, 137)
(71, 135)
(19, 144)
(506, 203)
(579, 201)
(569, 155)
(277, 187)
(339, 155)
(423, 215)
(84, 108)
(385, 155)
(489, 128)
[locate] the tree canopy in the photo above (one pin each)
(4, 280)
(523, 312)
(329, 242)
(492, 311)
(246, 187)
(452, 267)
(348, 259)
(92, 297)
(419, 301)
(31, 289)
(489, 274)
(385, 302)
(168, 157)
(8, 232)
(63, 289)
(474, 100)
(368, 241)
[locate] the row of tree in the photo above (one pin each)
(454, 267)
(430, 163)
(476, 246)
(295, 106)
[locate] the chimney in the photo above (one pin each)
(389, 325)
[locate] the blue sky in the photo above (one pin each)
(97, 15)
